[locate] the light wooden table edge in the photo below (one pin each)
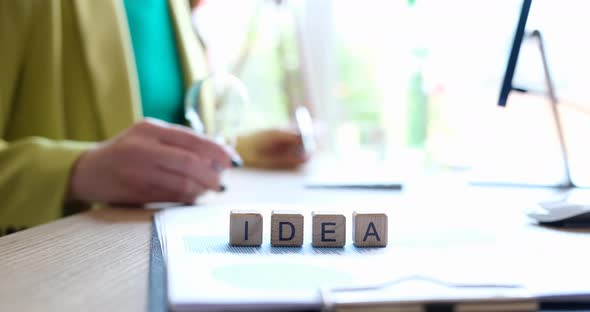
(32, 263)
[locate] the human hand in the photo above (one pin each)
(150, 162)
(272, 149)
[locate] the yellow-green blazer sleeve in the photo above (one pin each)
(34, 171)
(34, 175)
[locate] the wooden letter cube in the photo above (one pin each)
(369, 229)
(245, 228)
(328, 230)
(286, 228)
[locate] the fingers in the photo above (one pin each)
(288, 161)
(275, 148)
(158, 185)
(185, 164)
(278, 163)
(281, 160)
(280, 148)
(284, 136)
(185, 138)
(282, 141)
(151, 161)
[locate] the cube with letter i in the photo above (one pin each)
(328, 229)
(369, 229)
(245, 228)
(286, 228)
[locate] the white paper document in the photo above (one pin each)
(205, 273)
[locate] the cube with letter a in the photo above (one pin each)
(286, 228)
(328, 229)
(245, 228)
(369, 229)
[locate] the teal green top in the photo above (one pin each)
(157, 59)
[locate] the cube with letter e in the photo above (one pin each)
(369, 229)
(286, 228)
(245, 228)
(328, 229)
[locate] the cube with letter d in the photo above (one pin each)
(328, 229)
(286, 228)
(369, 229)
(245, 228)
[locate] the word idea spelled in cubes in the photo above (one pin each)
(369, 229)
(328, 230)
(286, 228)
(245, 228)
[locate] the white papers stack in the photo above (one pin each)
(205, 273)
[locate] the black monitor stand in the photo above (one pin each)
(519, 36)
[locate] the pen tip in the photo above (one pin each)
(236, 163)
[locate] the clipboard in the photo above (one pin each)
(408, 294)
(424, 294)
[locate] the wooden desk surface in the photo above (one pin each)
(99, 260)
(95, 261)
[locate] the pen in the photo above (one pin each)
(195, 122)
(305, 127)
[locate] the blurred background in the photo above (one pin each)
(407, 79)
